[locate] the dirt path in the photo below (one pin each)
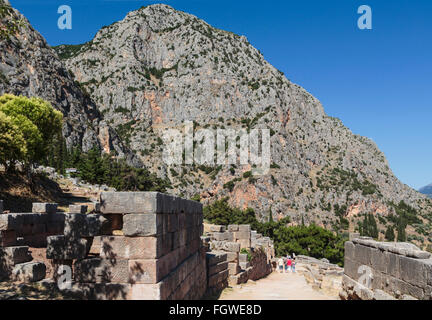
(277, 286)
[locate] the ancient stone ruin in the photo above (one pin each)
(386, 270)
(234, 265)
(133, 245)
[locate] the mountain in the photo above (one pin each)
(159, 67)
(30, 67)
(427, 190)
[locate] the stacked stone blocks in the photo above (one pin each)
(231, 240)
(394, 270)
(145, 246)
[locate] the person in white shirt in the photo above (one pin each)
(281, 265)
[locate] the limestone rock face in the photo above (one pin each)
(30, 67)
(159, 67)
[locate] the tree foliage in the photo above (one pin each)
(368, 227)
(105, 169)
(310, 240)
(35, 125)
(389, 234)
(12, 143)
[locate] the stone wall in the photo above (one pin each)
(21, 231)
(218, 273)
(320, 274)
(133, 245)
(142, 245)
(150, 249)
(383, 270)
(229, 241)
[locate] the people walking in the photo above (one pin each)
(281, 265)
(293, 263)
(289, 263)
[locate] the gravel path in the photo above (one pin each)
(277, 286)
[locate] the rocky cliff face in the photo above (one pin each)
(30, 67)
(159, 67)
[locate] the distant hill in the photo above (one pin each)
(427, 190)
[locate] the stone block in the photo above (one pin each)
(363, 254)
(95, 206)
(8, 238)
(349, 250)
(104, 291)
(244, 228)
(22, 223)
(62, 248)
(217, 228)
(44, 207)
(142, 225)
(233, 227)
(38, 240)
(244, 265)
(99, 270)
(353, 236)
(173, 222)
(29, 272)
(233, 268)
(392, 264)
(120, 247)
(77, 208)
(217, 268)
(147, 292)
(148, 271)
(240, 235)
(146, 202)
(6, 222)
(55, 228)
(226, 246)
(243, 257)
(244, 243)
(218, 277)
(378, 260)
(219, 236)
(351, 269)
(413, 271)
(382, 295)
(15, 255)
(214, 257)
(232, 256)
(398, 287)
(96, 246)
(78, 225)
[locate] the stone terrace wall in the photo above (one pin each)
(142, 245)
(394, 270)
(151, 249)
(229, 241)
(19, 232)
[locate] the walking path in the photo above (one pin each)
(277, 286)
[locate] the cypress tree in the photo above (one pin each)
(389, 234)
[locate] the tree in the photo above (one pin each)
(312, 240)
(389, 234)
(38, 123)
(368, 227)
(401, 234)
(12, 143)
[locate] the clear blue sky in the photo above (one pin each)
(379, 82)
